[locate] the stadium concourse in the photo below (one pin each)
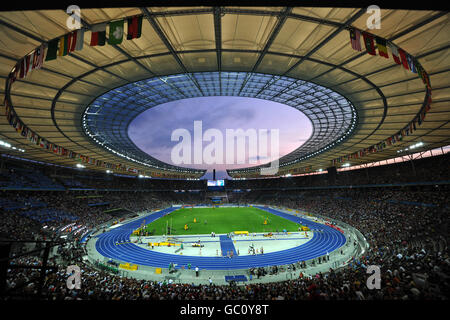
(371, 183)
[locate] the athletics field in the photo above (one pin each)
(219, 220)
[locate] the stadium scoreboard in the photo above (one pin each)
(216, 183)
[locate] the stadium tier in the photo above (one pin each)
(326, 132)
(404, 223)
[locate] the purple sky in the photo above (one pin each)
(151, 130)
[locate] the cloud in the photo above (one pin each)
(151, 131)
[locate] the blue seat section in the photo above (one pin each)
(27, 179)
(226, 244)
(22, 203)
(236, 278)
(48, 215)
(7, 204)
(321, 243)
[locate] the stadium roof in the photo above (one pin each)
(270, 52)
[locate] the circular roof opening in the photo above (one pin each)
(219, 132)
(107, 118)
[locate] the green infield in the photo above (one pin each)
(219, 220)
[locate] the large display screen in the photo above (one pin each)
(216, 183)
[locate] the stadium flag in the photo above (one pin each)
(63, 45)
(411, 127)
(76, 39)
(98, 36)
(32, 137)
(115, 32)
(29, 62)
(71, 41)
(426, 79)
(35, 138)
(406, 131)
(355, 40)
(403, 132)
(419, 120)
(38, 57)
(23, 68)
(19, 126)
(389, 141)
(13, 75)
(52, 49)
(368, 41)
(80, 40)
(382, 49)
(14, 121)
(393, 139)
(422, 115)
(411, 64)
(428, 105)
(403, 58)
(29, 134)
(134, 27)
(419, 70)
(395, 54)
(24, 132)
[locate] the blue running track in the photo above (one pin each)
(226, 245)
(321, 243)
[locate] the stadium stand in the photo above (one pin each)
(406, 226)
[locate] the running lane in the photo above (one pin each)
(226, 245)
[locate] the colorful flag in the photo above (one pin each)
(80, 40)
(419, 70)
(29, 62)
(134, 27)
(411, 64)
(71, 41)
(394, 51)
(98, 36)
(422, 115)
(24, 132)
(428, 104)
(22, 68)
(426, 79)
(382, 49)
(38, 57)
(63, 45)
(403, 58)
(355, 40)
(389, 141)
(368, 41)
(115, 32)
(52, 49)
(14, 73)
(76, 40)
